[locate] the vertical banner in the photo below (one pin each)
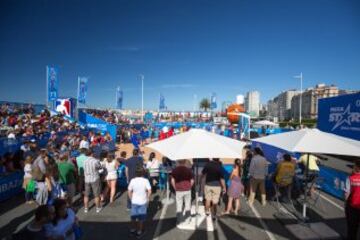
(162, 102)
(52, 82)
(82, 89)
(119, 98)
(213, 104)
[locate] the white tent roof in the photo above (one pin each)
(198, 143)
(265, 123)
(312, 141)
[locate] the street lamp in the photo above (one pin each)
(300, 106)
(141, 77)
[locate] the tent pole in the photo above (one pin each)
(196, 193)
(306, 183)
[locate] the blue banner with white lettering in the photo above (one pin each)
(340, 115)
(98, 124)
(162, 102)
(82, 89)
(10, 184)
(333, 181)
(119, 98)
(213, 103)
(52, 82)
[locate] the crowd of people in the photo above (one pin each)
(74, 163)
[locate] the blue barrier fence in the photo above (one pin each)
(10, 185)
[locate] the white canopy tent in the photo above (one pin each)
(265, 123)
(312, 141)
(198, 143)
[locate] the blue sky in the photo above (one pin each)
(181, 47)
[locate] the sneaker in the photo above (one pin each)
(140, 234)
(98, 210)
(86, 210)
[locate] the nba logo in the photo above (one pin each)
(63, 106)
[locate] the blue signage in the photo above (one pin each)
(333, 181)
(213, 104)
(162, 102)
(119, 98)
(95, 123)
(52, 82)
(82, 89)
(340, 115)
(10, 185)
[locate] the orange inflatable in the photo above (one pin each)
(232, 112)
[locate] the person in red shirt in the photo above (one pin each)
(182, 180)
(162, 135)
(352, 208)
(170, 132)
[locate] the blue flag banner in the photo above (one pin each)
(119, 98)
(162, 102)
(82, 89)
(213, 104)
(52, 82)
(340, 115)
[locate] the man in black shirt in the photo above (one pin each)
(214, 182)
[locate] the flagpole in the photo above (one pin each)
(116, 97)
(47, 88)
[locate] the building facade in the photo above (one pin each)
(310, 96)
(252, 103)
(280, 106)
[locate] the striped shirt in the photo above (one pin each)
(91, 169)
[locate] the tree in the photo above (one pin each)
(205, 104)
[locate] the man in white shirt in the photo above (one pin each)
(139, 191)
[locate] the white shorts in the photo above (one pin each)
(111, 176)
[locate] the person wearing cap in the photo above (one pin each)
(352, 207)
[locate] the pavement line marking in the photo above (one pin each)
(331, 201)
(263, 224)
(159, 225)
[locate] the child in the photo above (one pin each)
(29, 190)
(139, 191)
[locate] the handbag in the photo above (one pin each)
(30, 187)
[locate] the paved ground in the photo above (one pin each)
(252, 223)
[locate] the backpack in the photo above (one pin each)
(37, 174)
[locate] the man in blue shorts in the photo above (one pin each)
(139, 191)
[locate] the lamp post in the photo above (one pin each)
(300, 105)
(141, 77)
